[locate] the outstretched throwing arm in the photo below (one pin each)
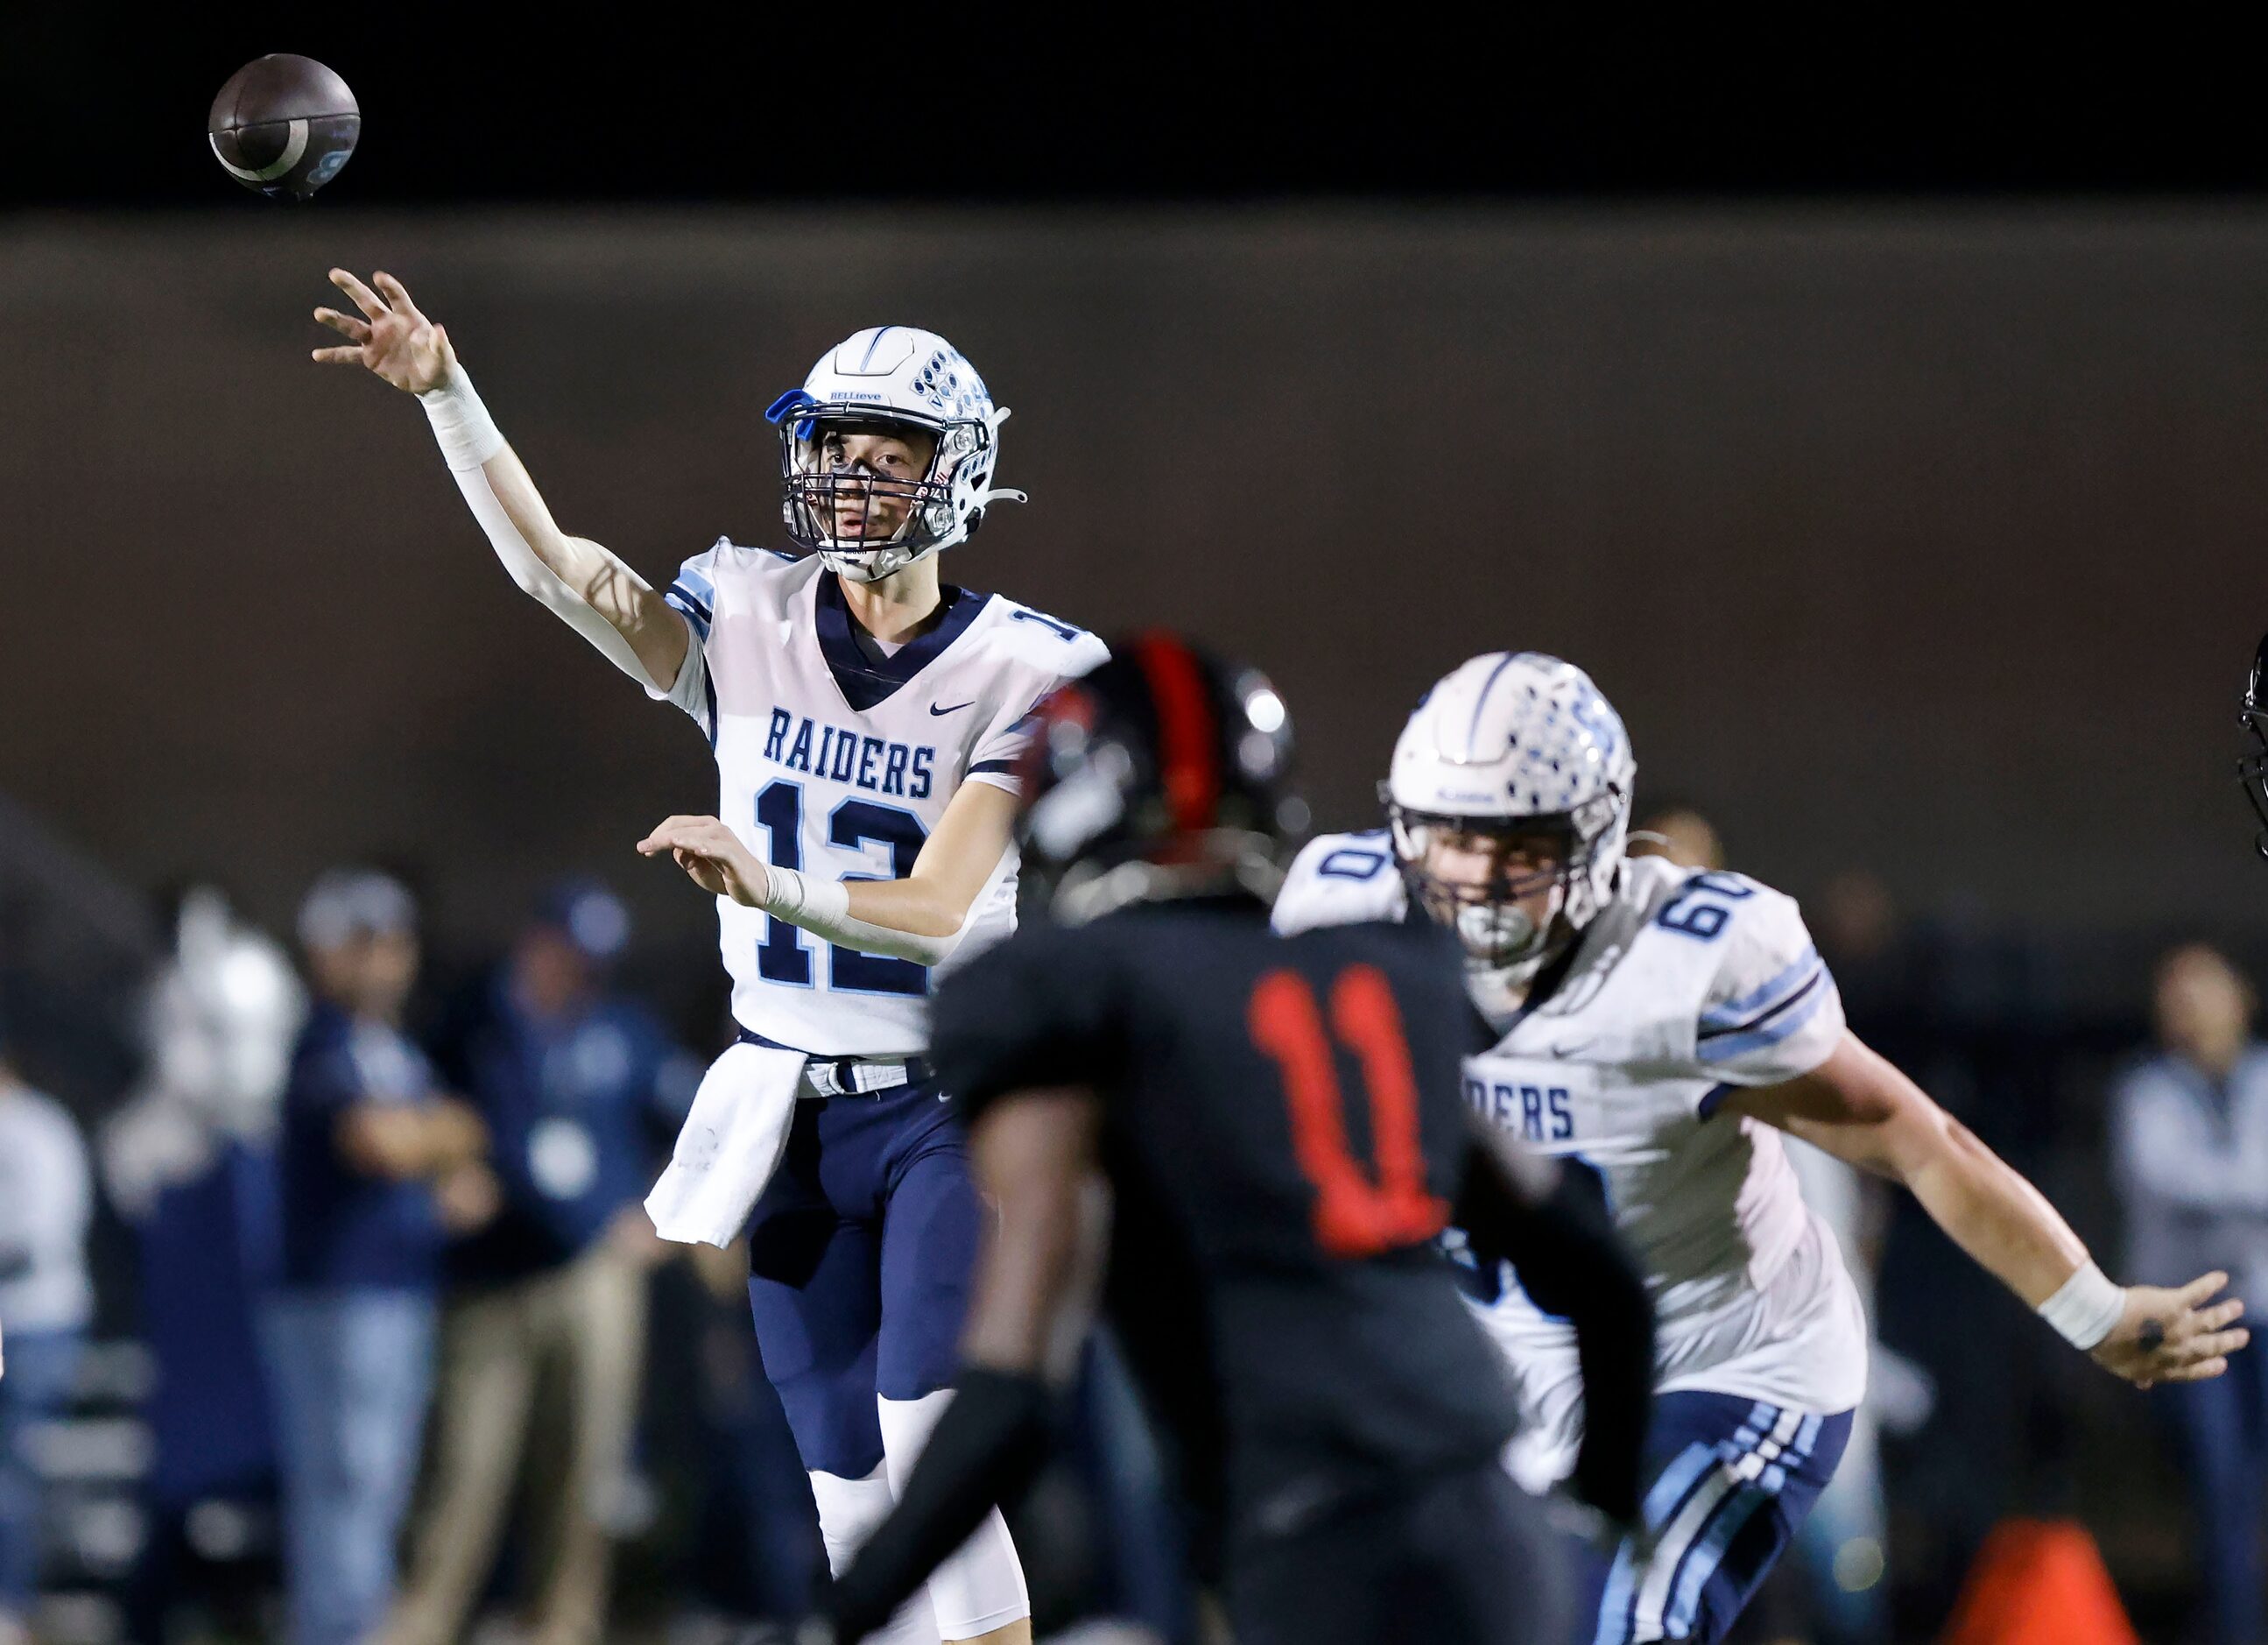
(593, 592)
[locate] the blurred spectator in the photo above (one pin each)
(2189, 1154)
(189, 1164)
(376, 1166)
(46, 1202)
(1679, 832)
(1855, 917)
(545, 1324)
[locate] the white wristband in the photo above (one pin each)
(2086, 1307)
(799, 899)
(467, 433)
(822, 907)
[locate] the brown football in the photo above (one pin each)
(282, 126)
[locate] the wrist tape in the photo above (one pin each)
(2086, 1307)
(468, 435)
(797, 897)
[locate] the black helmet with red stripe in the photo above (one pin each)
(1160, 773)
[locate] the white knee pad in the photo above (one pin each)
(982, 1587)
(849, 1511)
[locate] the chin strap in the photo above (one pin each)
(855, 565)
(998, 493)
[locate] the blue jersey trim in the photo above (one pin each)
(1730, 1013)
(1714, 1027)
(991, 765)
(865, 683)
(1805, 1005)
(692, 608)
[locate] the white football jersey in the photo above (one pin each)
(1686, 987)
(838, 765)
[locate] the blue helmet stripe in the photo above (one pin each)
(1481, 702)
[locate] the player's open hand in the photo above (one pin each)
(392, 338)
(713, 855)
(2168, 1335)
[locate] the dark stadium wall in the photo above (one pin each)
(1932, 541)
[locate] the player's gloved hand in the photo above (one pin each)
(713, 855)
(1603, 1534)
(392, 339)
(2168, 1336)
(1608, 1484)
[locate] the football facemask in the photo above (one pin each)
(862, 522)
(2252, 767)
(1481, 877)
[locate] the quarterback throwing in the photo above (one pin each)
(864, 717)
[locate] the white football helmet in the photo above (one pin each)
(1514, 744)
(897, 379)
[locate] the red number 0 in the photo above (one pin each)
(1353, 1215)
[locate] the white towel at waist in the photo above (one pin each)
(729, 1146)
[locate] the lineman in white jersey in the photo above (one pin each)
(1656, 1030)
(864, 717)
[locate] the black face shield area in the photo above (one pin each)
(821, 485)
(1525, 855)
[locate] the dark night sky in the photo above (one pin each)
(1101, 103)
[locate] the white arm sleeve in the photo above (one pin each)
(468, 438)
(822, 908)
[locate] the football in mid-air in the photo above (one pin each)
(282, 126)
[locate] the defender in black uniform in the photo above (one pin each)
(1281, 1127)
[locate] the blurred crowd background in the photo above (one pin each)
(334, 1233)
(1914, 525)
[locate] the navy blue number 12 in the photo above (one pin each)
(785, 956)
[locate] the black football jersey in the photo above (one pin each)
(1284, 1130)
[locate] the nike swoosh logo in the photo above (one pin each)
(1570, 1048)
(955, 709)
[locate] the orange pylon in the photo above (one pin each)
(2039, 1582)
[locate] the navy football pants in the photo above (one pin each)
(1729, 1480)
(861, 1254)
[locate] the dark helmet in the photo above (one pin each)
(2252, 767)
(1160, 773)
